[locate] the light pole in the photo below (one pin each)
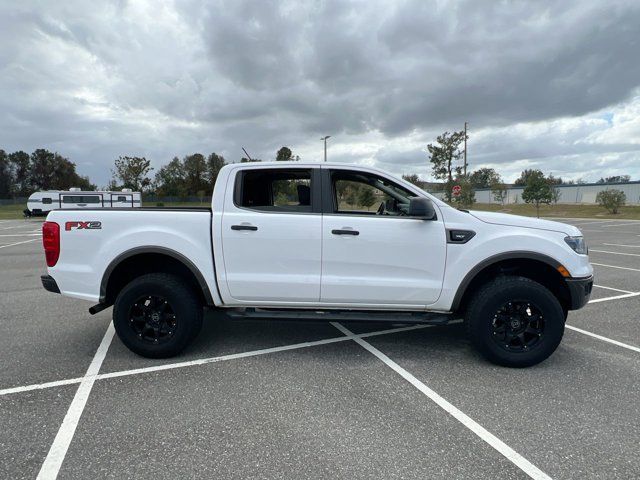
(325, 146)
(465, 150)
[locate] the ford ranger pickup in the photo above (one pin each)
(321, 241)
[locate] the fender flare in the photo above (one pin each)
(160, 250)
(471, 274)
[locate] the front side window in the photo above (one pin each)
(275, 190)
(46, 201)
(368, 194)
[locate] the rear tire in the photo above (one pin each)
(157, 315)
(515, 322)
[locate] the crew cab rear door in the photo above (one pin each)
(372, 253)
(271, 235)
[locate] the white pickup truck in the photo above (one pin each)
(315, 241)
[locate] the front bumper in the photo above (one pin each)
(579, 291)
(49, 283)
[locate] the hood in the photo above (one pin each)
(526, 222)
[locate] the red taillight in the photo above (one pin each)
(51, 242)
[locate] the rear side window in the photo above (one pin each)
(275, 190)
(46, 201)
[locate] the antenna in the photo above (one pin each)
(247, 154)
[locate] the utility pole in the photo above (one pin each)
(465, 149)
(325, 146)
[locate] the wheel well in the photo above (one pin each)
(535, 270)
(140, 264)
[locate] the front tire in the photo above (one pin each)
(157, 315)
(515, 322)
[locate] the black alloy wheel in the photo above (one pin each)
(152, 319)
(157, 315)
(518, 326)
(514, 321)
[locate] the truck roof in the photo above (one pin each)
(296, 164)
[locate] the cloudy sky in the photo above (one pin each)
(551, 85)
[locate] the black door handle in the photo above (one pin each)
(345, 232)
(244, 227)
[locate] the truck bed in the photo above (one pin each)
(87, 251)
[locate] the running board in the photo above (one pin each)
(430, 318)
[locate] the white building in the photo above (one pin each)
(583, 193)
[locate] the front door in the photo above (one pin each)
(271, 236)
(372, 253)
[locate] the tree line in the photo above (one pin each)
(444, 156)
(22, 173)
(191, 175)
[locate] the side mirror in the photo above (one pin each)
(421, 207)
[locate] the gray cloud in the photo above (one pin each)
(535, 79)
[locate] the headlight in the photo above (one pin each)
(577, 244)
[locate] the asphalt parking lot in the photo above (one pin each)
(272, 399)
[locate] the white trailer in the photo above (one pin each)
(41, 203)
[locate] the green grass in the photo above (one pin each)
(562, 210)
(11, 212)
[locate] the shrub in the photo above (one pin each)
(537, 190)
(467, 196)
(611, 199)
(499, 192)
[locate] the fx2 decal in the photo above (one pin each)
(83, 226)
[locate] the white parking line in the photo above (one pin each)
(58, 450)
(614, 289)
(620, 245)
(12, 227)
(604, 339)
(21, 235)
(40, 386)
(203, 361)
(18, 243)
(615, 253)
(617, 297)
(509, 453)
(615, 266)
